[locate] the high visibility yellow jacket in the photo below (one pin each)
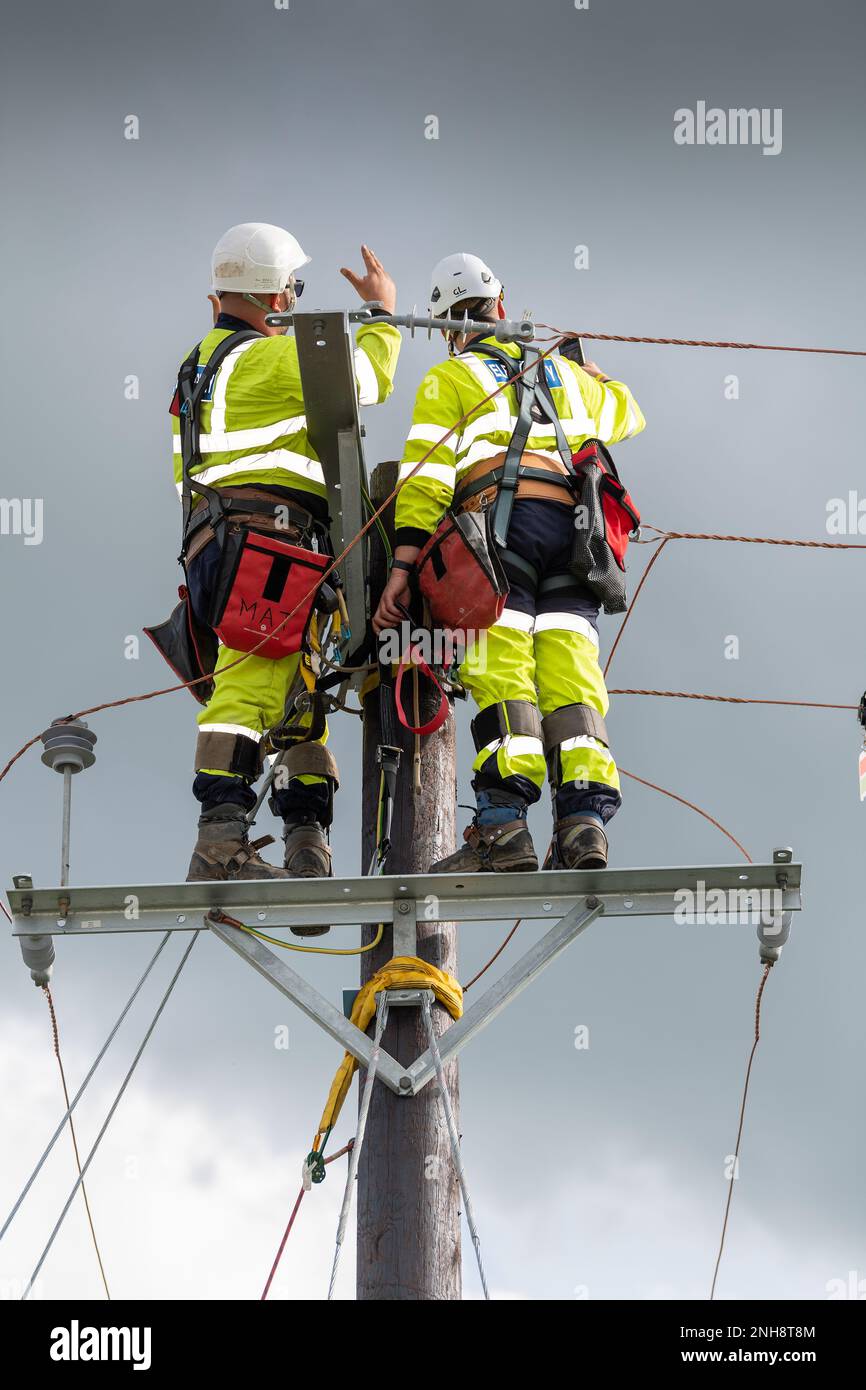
(588, 409)
(253, 426)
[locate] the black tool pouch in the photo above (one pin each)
(604, 518)
(188, 646)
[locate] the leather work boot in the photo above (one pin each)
(580, 844)
(308, 855)
(496, 849)
(223, 849)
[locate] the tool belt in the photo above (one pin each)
(539, 477)
(249, 506)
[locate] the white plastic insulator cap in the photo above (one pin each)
(461, 276)
(256, 258)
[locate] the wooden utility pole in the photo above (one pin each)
(408, 1195)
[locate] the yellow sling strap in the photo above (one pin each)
(402, 972)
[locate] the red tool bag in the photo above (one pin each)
(460, 574)
(265, 593)
(605, 518)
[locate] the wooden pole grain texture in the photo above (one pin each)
(408, 1195)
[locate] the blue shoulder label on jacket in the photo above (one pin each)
(208, 395)
(500, 371)
(497, 368)
(551, 374)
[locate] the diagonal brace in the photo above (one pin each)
(312, 1003)
(494, 1000)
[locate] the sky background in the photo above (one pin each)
(594, 1173)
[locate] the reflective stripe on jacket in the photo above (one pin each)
(253, 426)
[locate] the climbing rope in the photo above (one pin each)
(734, 1167)
(114, 1104)
(56, 1038)
(80, 1092)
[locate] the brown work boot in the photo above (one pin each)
(223, 849)
(580, 843)
(497, 849)
(308, 855)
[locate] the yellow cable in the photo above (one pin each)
(315, 950)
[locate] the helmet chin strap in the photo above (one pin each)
(291, 299)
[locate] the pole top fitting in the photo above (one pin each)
(68, 746)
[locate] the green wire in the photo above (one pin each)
(379, 526)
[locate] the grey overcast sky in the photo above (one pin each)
(555, 131)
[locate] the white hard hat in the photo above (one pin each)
(458, 277)
(255, 257)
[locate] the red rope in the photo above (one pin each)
(287, 1232)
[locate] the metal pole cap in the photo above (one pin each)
(68, 746)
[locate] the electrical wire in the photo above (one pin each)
(734, 1167)
(114, 1104)
(699, 342)
(56, 1038)
(494, 957)
(80, 1092)
(730, 699)
(224, 917)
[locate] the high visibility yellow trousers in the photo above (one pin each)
(550, 659)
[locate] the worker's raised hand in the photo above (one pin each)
(376, 284)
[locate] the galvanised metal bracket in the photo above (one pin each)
(327, 366)
(567, 900)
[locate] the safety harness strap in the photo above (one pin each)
(192, 386)
(511, 468)
(534, 402)
(508, 717)
(555, 583)
(572, 721)
(516, 567)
